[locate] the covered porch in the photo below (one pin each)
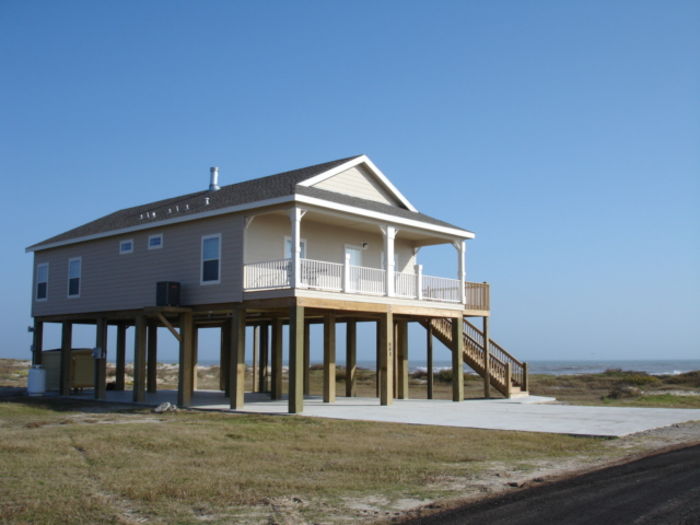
(321, 250)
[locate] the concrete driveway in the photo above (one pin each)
(529, 414)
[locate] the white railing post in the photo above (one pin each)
(346, 273)
(419, 282)
(389, 233)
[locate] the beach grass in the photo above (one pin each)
(69, 461)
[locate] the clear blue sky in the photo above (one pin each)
(565, 134)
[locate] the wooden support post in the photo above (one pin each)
(256, 354)
(296, 359)
(184, 378)
(525, 379)
(457, 359)
(378, 360)
(395, 378)
(121, 357)
(100, 359)
(329, 358)
(509, 378)
(402, 351)
(276, 372)
(264, 357)
(66, 357)
(429, 348)
(237, 351)
(307, 358)
(386, 349)
(350, 358)
(487, 359)
(139, 392)
(37, 342)
(195, 357)
(152, 359)
(224, 359)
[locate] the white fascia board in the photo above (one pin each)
(362, 159)
(385, 217)
(166, 222)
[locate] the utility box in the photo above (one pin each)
(82, 369)
(167, 293)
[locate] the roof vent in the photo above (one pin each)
(214, 181)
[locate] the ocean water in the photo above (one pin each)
(569, 367)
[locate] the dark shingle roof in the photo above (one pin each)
(254, 190)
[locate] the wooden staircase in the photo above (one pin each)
(508, 375)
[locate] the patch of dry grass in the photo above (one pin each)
(621, 388)
(59, 466)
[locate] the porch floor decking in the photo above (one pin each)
(528, 414)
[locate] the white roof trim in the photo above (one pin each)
(166, 222)
(385, 217)
(362, 159)
(321, 203)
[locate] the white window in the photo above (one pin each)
(42, 282)
(126, 246)
(211, 259)
(155, 241)
(288, 248)
(74, 271)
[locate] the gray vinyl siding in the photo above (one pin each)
(110, 281)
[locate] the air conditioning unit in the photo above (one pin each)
(167, 293)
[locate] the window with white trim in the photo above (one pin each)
(211, 259)
(42, 281)
(288, 248)
(74, 271)
(126, 246)
(155, 241)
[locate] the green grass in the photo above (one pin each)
(60, 465)
(657, 400)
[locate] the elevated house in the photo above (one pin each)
(334, 242)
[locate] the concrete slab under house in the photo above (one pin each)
(330, 243)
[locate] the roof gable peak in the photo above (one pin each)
(371, 169)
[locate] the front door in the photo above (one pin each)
(355, 259)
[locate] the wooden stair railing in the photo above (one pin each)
(507, 374)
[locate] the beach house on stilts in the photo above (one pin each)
(330, 243)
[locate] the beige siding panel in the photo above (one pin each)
(111, 281)
(264, 241)
(358, 183)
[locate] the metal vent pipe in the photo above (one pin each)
(214, 180)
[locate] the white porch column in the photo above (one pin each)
(461, 248)
(295, 215)
(389, 233)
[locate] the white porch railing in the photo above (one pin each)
(369, 281)
(336, 277)
(267, 274)
(405, 285)
(442, 289)
(321, 275)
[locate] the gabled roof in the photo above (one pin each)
(264, 190)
